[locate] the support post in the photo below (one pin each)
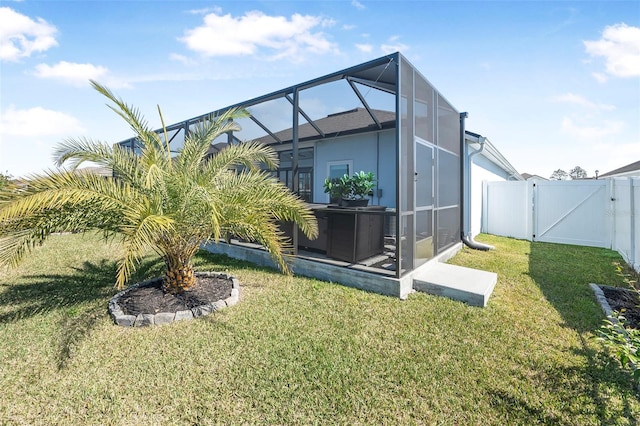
(632, 225)
(294, 163)
(465, 202)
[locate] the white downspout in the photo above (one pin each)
(467, 238)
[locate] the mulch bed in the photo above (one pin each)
(151, 299)
(624, 299)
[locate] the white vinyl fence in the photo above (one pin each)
(597, 213)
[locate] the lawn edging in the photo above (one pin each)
(602, 300)
(162, 318)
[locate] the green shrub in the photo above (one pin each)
(623, 341)
(618, 336)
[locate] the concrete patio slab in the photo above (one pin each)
(456, 282)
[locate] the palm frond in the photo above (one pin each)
(253, 205)
(62, 203)
(15, 246)
(123, 162)
(137, 236)
(153, 151)
(264, 232)
(270, 197)
(146, 137)
(129, 113)
(249, 155)
(198, 204)
(202, 134)
(56, 190)
(80, 150)
(167, 143)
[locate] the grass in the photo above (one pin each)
(302, 351)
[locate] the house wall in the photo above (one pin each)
(482, 170)
(371, 152)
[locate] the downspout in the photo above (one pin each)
(466, 236)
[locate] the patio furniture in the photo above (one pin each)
(354, 234)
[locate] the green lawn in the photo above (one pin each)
(301, 351)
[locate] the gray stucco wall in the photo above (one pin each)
(371, 152)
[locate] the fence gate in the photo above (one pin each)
(568, 212)
(572, 212)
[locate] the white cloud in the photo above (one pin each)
(182, 59)
(327, 22)
(225, 35)
(591, 132)
(388, 48)
(348, 27)
(37, 121)
(366, 48)
(78, 74)
(358, 5)
(205, 10)
(20, 36)
(393, 45)
(571, 98)
(600, 78)
(620, 46)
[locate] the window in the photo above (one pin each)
(305, 172)
(337, 169)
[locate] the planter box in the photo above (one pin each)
(320, 243)
(355, 234)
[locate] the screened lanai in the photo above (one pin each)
(381, 116)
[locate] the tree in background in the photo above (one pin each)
(6, 182)
(171, 204)
(578, 173)
(559, 175)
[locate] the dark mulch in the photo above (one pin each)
(625, 301)
(151, 299)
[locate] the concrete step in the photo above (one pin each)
(468, 285)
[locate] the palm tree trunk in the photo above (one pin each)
(179, 276)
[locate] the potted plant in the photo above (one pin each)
(351, 191)
(337, 188)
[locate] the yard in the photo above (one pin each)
(301, 351)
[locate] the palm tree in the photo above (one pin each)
(170, 203)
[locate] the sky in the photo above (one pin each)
(552, 84)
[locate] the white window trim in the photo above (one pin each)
(349, 164)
